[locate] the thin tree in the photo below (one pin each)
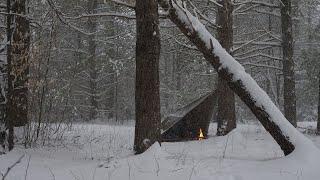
(318, 124)
(288, 62)
(147, 128)
(92, 61)
(226, 102)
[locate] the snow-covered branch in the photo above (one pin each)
(260, 3)
(104, 14)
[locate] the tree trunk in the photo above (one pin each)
(237, 79)
(226, 102)
(112, 54)
(92, 61)
(318, 124)
(289, 95)
(147, 128)
(18, 67)
(9, 120)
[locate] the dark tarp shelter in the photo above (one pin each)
(186, 123)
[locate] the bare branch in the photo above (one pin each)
(248, 43)
(122, 3)
(260, 55)
(260, 3)
(11, 167)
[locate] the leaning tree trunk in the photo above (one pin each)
(18, 66)
(226, 102)
(237, 79)
(147, 128)
(289, 95)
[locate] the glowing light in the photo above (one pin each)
(201, 136)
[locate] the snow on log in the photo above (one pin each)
(238, 80)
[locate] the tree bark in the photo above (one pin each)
(147, 128)
(9, 122)
(112, 54)
(226, 117)
(92, 61)
(289, 95)
(318, 124)
(18, 67)
(236, 77)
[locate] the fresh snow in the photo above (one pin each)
(105, 152)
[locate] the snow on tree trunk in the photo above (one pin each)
(148, 120)
(237, 79)
(289, 94)
(226, 117)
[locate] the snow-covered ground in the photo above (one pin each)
(94, 152)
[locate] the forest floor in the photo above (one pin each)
(94, 152)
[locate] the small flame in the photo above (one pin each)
(201, 136)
